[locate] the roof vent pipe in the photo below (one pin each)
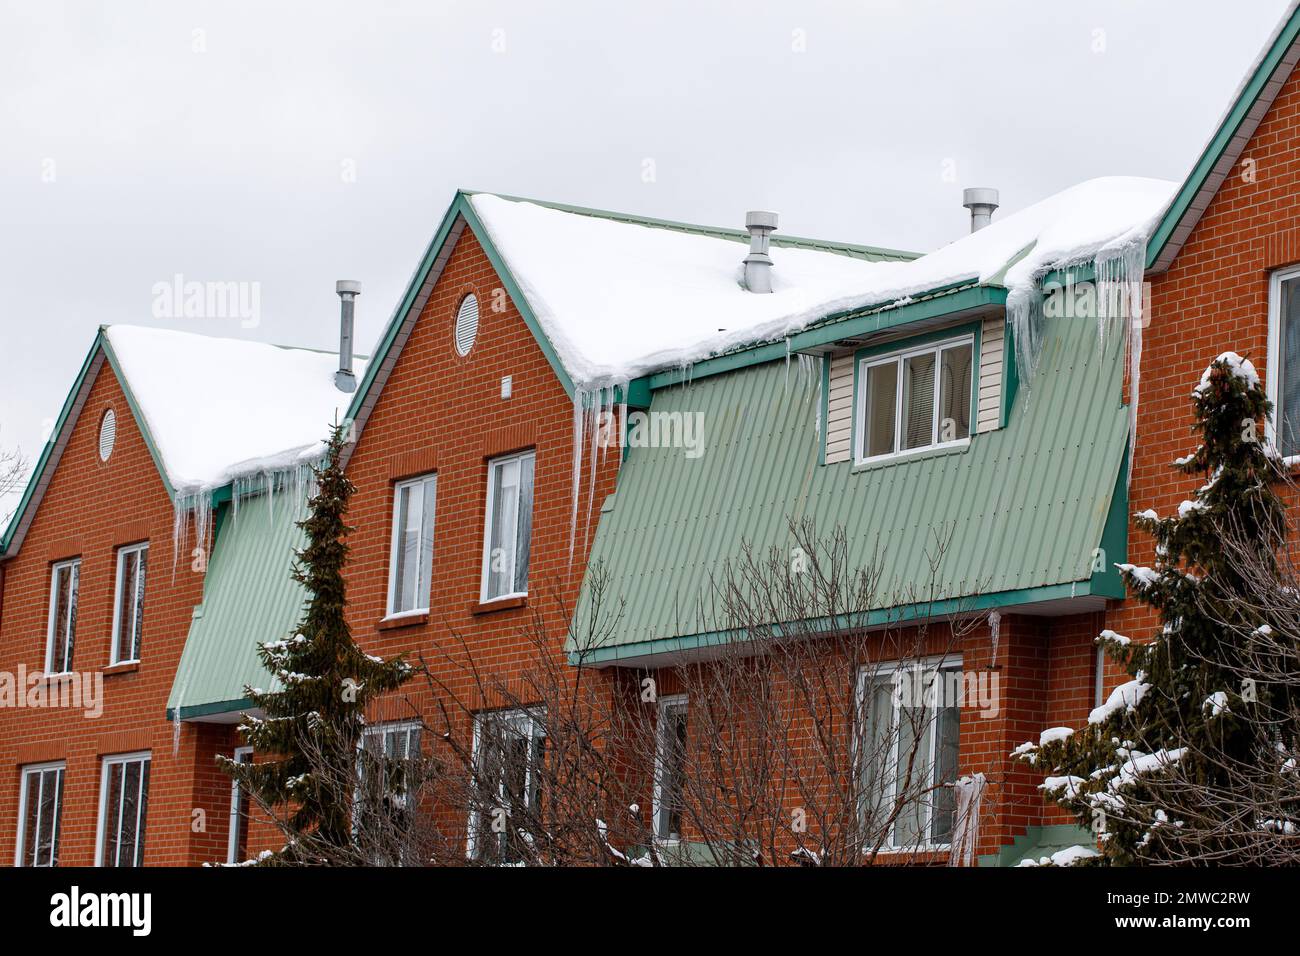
(348, 290)
(758, 264)
(981, 202)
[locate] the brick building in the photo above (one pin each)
(892, 396)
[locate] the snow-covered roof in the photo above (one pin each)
(618, 299)
(220, 409)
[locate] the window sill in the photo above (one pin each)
(902, 458)
(499, 604)
(403, 620)
(126, 667)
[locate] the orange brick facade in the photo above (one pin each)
(91, 509)
(443, 413)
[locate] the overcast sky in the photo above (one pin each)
(291, 144)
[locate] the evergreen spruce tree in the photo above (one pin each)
(1158, 761)
(312, 725)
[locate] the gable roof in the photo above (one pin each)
(211, 410)
(612, 298)
(1275, 63)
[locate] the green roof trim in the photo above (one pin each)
(1219, 144)
(249, 599)
(880, 617)
(1024, 507)
(82, 383)
(854, 323)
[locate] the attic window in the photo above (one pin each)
(466, 324)
(107, 434)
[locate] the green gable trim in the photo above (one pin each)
(81, 382)
(139, 415)
(1214, 151)
(1114, 539)
(844, 325)
(881, 617)
(43, 460)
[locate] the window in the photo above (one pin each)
(509, 526)
(123, 805)
(392, 742)
(508, 753)
(1284, 361)
(411, 569)
(915, 399)
(670, 768)
(40, 815)
(237, 842)
(909, 722)
(128, 608)
(64, 580)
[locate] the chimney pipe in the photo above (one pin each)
(758, 264)
(348, 290)
(981, 202)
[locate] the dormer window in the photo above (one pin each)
(914, 399)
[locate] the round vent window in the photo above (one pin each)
(466, 324)
(107, 434)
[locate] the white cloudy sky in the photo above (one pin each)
(141, 140)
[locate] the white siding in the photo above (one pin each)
(989, 412)
(839, 408)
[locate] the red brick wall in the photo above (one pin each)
(90, 508)
(443, 412)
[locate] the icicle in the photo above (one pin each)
(579, 398)
(995, 634)
(966, 830)
(1025, 313)
(787, 366)
(176, 719)
(1120, 277)
(591, 483)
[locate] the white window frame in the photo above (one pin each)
(24, 795)
(493, 464)
(396, 543)
(529, 721)
(75, 565)
(232, 837)
(899, 358)
(382, 730)
(661, 745)
(142, 581)
(868, 674)
(106, 765)
(1273, 377)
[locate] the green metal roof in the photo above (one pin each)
(249, 598)
(1026, 504)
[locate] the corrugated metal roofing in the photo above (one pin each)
(248, 599)
(1026, 505)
